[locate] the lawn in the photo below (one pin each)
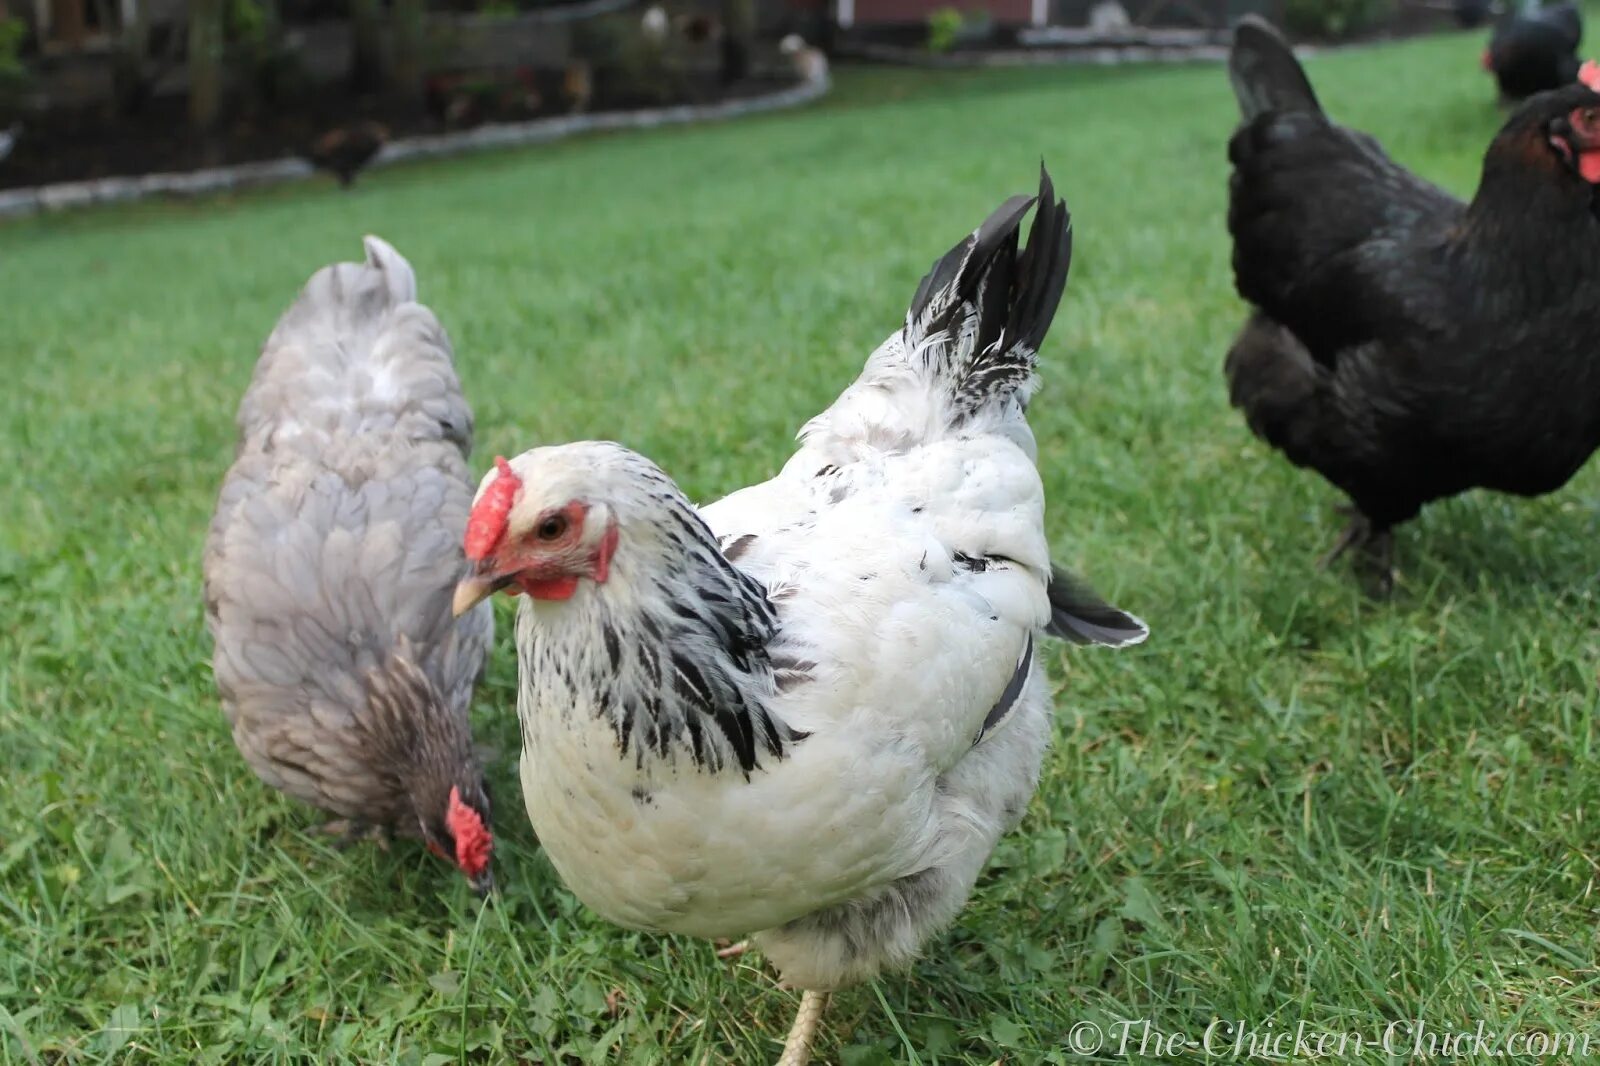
(1291, 804)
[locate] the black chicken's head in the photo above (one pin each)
(1556, 132)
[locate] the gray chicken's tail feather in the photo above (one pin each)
(988, 307)
(397, 274)
(349, 301)
(1266, 75)
(356, 353)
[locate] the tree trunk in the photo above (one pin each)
(269, 63)
(67, 22)
(129, 81)
(410, 26)
(205, 63)
(366, 45)
(738, 35)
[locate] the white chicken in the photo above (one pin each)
(655, 24)
(806, 712)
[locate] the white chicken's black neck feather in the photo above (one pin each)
(672, 650)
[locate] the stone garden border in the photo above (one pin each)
(1101, 55)
(31, 200)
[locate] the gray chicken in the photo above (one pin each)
(331, 560)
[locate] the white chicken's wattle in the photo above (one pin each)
(808, 711)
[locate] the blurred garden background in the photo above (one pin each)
(1293, 803)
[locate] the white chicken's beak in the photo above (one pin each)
(473, 590)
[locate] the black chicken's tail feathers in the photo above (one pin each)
(1266, 75)
(1004, 301)
(1567, 18)
(1274, 380)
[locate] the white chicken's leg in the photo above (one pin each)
(733, 951)
(797, 1049)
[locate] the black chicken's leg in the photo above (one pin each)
(1375, 564)
(1374, 552)
(1356, 534)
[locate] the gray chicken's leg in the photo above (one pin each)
(348, 831)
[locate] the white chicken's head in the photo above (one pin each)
(550, 519)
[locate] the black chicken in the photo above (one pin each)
(345, 150)
(1471, 14)
(1405, 345)
(1535, 49)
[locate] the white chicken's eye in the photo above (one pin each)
(552, 527)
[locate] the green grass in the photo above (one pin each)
(1291, 804)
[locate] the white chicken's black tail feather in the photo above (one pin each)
(1266, 75)
(980, 314)
(1078, 615)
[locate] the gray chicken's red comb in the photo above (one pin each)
(473, 839)
(1589, 74)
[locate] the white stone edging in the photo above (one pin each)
(32, 199)
(1102, 55)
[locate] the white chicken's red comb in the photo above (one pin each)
(487, 522)
(1589, 74)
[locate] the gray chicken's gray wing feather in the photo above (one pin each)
(336, 545)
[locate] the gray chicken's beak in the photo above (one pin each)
(473, 590)
(483, 884)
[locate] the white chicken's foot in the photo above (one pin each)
(733, 951)
(797, 1049)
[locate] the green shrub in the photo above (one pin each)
(627, 62)
(245, 21)
(1335, 18)
(944, 27)
(12, 33)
